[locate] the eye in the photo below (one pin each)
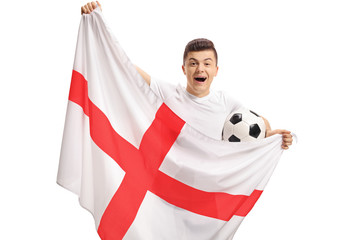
(193, 63)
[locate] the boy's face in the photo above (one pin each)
(200, 69)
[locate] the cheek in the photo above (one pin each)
(189, 72)
(213, 73)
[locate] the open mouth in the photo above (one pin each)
(200, 79)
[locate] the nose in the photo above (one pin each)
(200, 68)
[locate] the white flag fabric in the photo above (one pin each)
(140, 169)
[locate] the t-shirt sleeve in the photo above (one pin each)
(162, 89)
(233, 104)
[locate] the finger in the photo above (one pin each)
(289, 142)
(284, 147)
(287, 136)
(85, 9)
(99, 5)
(90, 7)
(93, 4)
(287, 139)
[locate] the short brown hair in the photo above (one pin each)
(200, 44)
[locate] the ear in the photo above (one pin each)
(217, 69)
(183, 68)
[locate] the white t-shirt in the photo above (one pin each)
(206, 114)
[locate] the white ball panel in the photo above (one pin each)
(241, 130)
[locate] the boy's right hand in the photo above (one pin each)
(89, 7)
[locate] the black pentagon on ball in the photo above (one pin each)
(254, 130)
(233, 138)
(236, 118)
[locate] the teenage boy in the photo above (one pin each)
(201, 108)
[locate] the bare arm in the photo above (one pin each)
(144, 75)
(267, 124)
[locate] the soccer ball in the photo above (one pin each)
(243, 126)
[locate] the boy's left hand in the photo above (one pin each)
(286, 136)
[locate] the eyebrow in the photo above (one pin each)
(198, 60)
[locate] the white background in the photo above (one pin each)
(295, 62)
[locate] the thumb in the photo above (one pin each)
(277, 131)
(99, 5)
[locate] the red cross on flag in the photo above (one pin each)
(140, 169)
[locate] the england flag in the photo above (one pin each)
(141, 170)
